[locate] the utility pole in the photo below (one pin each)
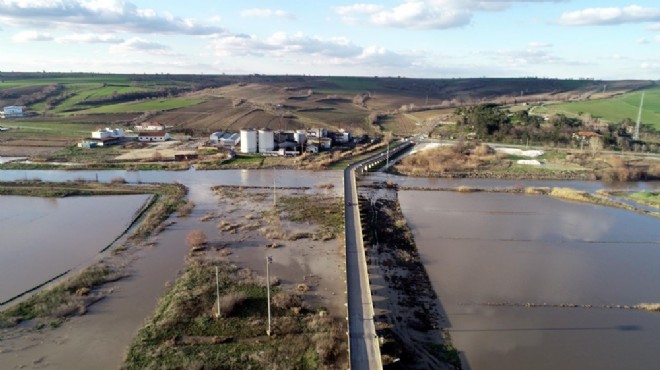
(217, 288)
(269, 260)
(387, 162)
(274, 194)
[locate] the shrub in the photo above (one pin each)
(185, 209)
(286, 300)
(196, 239)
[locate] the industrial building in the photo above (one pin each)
(225, 139)
(248, 141)
(266, 141)
(13, 111)
(270, 142)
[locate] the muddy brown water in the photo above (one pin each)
(504, 248)
(44, 237)
(99, 339)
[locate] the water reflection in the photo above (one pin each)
(483, 248)
(44, 237)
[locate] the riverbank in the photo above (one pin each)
(480, 161)
(600, 197)
(408, 313)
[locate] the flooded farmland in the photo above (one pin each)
(109, 325)
(45, 237)
(489, 255)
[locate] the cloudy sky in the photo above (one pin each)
(603, 39)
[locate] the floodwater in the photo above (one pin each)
(45, 237)
(109, 326)
(488, 248)
(440, 183)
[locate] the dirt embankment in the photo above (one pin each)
(408, 313)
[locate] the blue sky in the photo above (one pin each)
(412, 38)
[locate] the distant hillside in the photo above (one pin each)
(207, 103)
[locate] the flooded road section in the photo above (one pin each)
(45, 237)
(488, 255)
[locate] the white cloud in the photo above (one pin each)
(114, 15)
(650, 66)
(538, 45)
(140, 45)
(654, 27)
(642, 41)
(423, 14)
(531, 56)
(267, 13)
(29, 36)
(610, 16)
(308, 49)
(90, 38)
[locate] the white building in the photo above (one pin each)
(151, 136)
(150, 126)
(266, 140)
(248, 141)
(108, 132)
(225, 139)
(343, 136)
(12, 111)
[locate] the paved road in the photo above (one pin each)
(364, 349)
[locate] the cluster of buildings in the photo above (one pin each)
(285, 143)
(13, 111)
(146, 132)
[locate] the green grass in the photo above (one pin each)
(326, 212)
(300, 341)
(51, 128)
(244, 161)
(646, 197)
(143, 106)
(614, 109)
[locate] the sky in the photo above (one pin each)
(599, 39)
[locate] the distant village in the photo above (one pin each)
(247, 141)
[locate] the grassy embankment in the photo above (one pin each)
(72, 296)
(647, 198)
(185, 333)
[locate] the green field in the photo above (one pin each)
(26, 128)
(143, 106)
(614, 109)
(78, 89)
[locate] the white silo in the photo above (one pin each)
(248, 141)
(266, 140)
(300, 137)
